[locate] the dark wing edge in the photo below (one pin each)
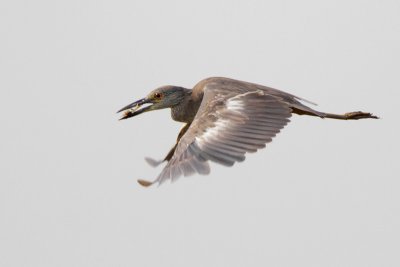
(227, 126)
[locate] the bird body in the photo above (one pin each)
(224, 119)
(187, 109)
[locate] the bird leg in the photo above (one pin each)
(356, 115)
(156, 163)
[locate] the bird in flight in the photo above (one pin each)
(224, 119)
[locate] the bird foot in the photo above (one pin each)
(357, 115)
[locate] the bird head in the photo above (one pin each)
(160, 98)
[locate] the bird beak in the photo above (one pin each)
(132, 109)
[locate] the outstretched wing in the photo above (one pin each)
(229, 123)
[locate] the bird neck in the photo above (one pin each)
(186, 110)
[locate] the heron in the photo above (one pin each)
(224, 119)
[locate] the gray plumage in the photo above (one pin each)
(225, 119)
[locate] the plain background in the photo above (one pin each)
(324, 193)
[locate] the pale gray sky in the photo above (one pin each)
(324, 193)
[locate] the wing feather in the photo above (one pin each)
(229, 123)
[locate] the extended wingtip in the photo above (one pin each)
(152, 162)
(145, 183)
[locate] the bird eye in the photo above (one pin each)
(157, 95)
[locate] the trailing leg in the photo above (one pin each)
(356, 115)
